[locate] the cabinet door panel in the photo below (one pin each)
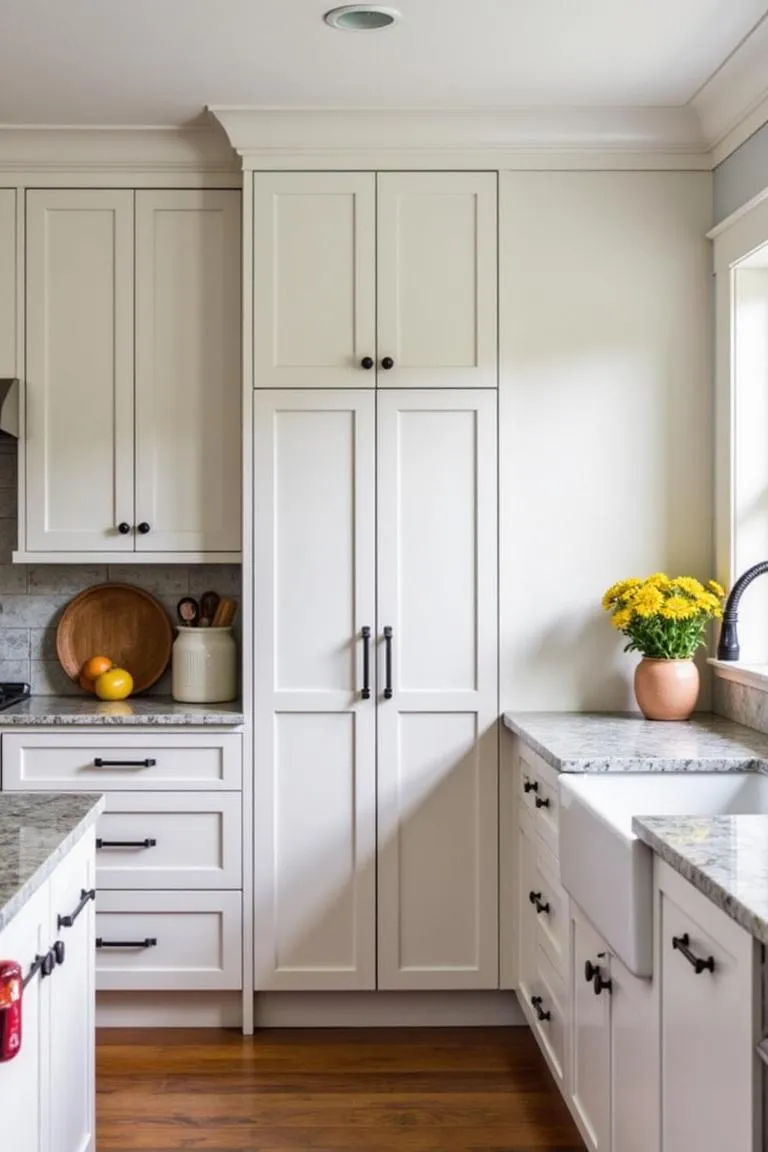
(438, 749)
(314, 279)
(7, 282)
(436, 269)
(79, 397)
(591, 1073)
(188, 475)
(315, 785)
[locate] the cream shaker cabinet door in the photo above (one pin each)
(437, 656)
(591, 1035)
(314, 280)
(188, 475)
(8, 268)
(314, 716)
(79, 395)
(437, 279)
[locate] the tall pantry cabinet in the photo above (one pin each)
(375, 580)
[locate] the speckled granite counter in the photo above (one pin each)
(616, 742)
(159, 711)
(36, 832)
(725, 857)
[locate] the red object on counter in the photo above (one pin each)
(11, 993)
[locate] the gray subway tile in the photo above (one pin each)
(50, 679)
(57, 579)
(8, 471)
(222, 578)
(159, 579)
(14, 644)
(42, 643)
(15, 670)
(18, 611)
(13, 578)
(8, 539)
(8, 507)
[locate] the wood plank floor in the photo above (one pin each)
(404, 1090)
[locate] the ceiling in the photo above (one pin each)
(160, 62)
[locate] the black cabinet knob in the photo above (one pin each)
(59, 952)
(48, 964)
(590, 971)
(123, 528)
(387, 363)
(600, 984)
(143, 528)
(366, 362)
(530, 785)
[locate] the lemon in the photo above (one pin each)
(115, 684)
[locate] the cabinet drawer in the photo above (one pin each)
(552, 920)
(92, 762)
(546, 814)
(168, 941)
(549, 990)
(528, 777)
(169, 840)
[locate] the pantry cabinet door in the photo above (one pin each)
(188, 382)
(438, 742)
(437, 279)
(314, 279)
(79, 394)
(314, 726)
(8, 262)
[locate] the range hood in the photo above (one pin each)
(9, 406)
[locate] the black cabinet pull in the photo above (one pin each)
(388, 661)
(59, 952)
(123, 528)
(148, 763)
(367, 363)
(601, 984)
(387, 363)
(86, 895)
(541, 803)
(683, 944)
(536, 900)
(143, 528)
(150, 842)
(365, 693)
(147, 942)
(530, 785)
(536, 1005)
(590, 971)
(44, 964)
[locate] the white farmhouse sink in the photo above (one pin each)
(607, 870)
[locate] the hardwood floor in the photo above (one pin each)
(404, 1090)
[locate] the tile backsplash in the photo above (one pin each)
(33, 596)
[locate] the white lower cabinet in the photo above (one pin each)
(590, 1090)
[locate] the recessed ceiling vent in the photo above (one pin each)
(361, 17)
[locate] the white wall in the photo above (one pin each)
(605, 416)
(742, 175)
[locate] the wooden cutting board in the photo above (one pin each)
(122, 622)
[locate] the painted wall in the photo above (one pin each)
(605, 416)
(742, 175)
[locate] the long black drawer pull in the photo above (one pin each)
(150, 842)
(148, 763)
(682, 944)
(388, 657)
(366, 635)
(536, 1004)
(539, 904)
(542, 803)
(147, 942)
(42, 964)
(86, 895)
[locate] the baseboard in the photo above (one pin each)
(309, 1009)
(386, 1009)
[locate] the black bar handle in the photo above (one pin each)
(539, 904)
(388, 658)
(365, 632)
(86, 895)
(541, 803)
(150, 842)
(147, 942)
(42, 964)
(536, 1005)
(148, 763)
(530, 785)
(682, 944)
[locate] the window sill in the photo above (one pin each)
(755, 675)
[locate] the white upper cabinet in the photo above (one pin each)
(8, 282)
(365, 279)
(438, 759)
(79, 395)
(436, 278)
(188, 382)
(314, 279)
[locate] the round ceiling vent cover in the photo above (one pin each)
(361, 17)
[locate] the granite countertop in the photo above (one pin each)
(625, 742)
(725, 857)
(158, 711)
(36, 831)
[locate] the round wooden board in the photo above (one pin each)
(124, 623)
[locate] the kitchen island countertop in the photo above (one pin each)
(141, 711)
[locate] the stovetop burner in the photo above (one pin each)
(12, 693)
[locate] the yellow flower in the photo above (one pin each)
(660, 579)
(688, 584)
(647, 601)
(617, 590)
(718, 589)
(621, 618)
(679, 608)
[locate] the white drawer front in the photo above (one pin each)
(169, 840)
(168, 941)
(92, 762)
(553, 918)
(549, 1017)
(546, 808)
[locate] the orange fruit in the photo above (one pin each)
(114, 684)
(94, 667)
(86, 683)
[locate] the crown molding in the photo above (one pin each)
(266, 137)
(733, 104)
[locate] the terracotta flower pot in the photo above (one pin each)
(666, 689)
